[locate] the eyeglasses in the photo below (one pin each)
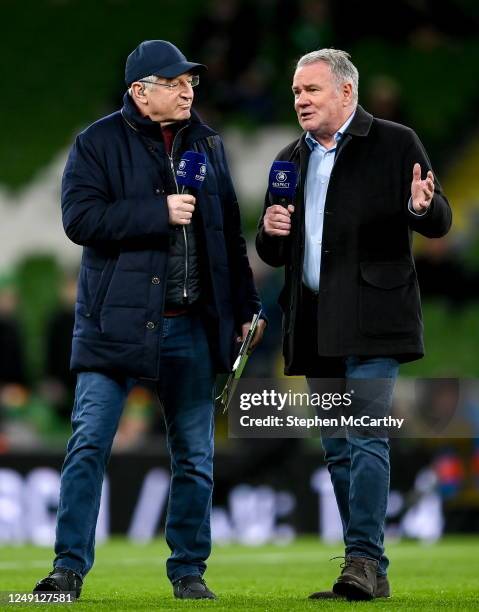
(192, 82)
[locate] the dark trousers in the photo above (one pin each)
(358, 464)
(185, 388)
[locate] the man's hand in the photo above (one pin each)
(180, 208)
(258, 334)
(277, 220)
(421, 191)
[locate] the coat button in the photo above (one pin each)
(157, 191)
(155, 280)
(150, 325)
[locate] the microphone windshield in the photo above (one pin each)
(283, 178)
(191, 170)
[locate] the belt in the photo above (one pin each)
(175, 312)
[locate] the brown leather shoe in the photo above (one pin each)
(383, 589)
(358, 580)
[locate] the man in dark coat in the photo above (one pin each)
(351, 305)
(165, 289)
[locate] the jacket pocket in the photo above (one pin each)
(102, 288)
(388, 299)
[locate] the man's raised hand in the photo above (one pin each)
(422, 191)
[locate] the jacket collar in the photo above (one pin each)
(147, 127)
(359, 126)
(361, 123)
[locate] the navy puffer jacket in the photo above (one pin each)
(114, 204)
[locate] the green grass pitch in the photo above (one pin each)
(127, 576)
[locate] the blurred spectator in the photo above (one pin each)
(226, 38)
(441, 274)
(14, 394)
(355, 20)
(59, 386)
(475, 464)
(311, 29)
(296, 28)
(437, 403)
(214, 97)
(383, 96)
(424, 22)
(234, 26)
(12, 363)
(254, 95)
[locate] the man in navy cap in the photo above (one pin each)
(165, 288)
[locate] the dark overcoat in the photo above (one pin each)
(368, 302)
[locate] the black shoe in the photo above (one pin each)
(358, 579)
(61, 580)
(192, 587)
(383, 589)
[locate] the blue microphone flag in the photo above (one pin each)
(283, 178)
(191, 170)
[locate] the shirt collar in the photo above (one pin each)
(312, 142)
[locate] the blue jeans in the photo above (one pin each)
(359, 466)
(185, 388)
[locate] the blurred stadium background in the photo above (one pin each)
(62, 63)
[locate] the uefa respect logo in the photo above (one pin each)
(281, 180)
(182, 168)
(200, 176)
(200, 170)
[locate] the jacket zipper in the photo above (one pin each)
(185, 238)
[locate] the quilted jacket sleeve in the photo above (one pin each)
(92, 218)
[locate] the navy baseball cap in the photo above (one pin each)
(158, 57)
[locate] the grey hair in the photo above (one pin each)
(342, 68)
(152, 78)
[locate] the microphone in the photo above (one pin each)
(283, 179)
(191, 172)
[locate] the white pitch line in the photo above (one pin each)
(19, 565)
(272, 557)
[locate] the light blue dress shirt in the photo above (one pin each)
(321, 162)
